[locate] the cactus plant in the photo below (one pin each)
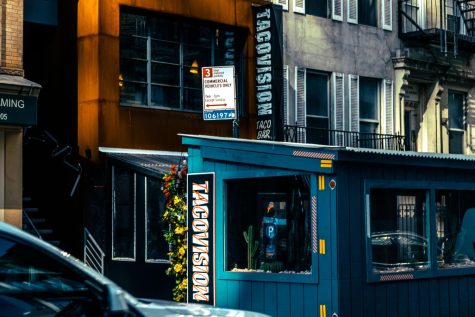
(251, 247)
(274, 267)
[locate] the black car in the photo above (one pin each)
(37, 279)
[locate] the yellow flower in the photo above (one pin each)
(179, 230)
(182, 251)
(165, 214)
(178, 268)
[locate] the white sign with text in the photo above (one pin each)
(219, 93)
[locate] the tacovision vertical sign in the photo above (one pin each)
(269, 71)
(201, 232)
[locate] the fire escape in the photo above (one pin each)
(447, 23)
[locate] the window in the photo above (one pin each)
(161, 57)
(367, 12)
(317, 108)
(405, 235)
(268, 230)
(368, 102)
(455, 220)
(456, 122)
(123, 214)
(398, 233)
(317, 7)
(411, 8)
(156, 247)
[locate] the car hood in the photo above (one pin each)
(151, 307)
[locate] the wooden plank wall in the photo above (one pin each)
(274, 299)
(433, 297)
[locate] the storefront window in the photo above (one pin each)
(455, 220)
(398, 234)
(268, 224)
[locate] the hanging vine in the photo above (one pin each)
(174, 189)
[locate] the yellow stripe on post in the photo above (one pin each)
(322, 246)
(326, 163)
(323, 311)
(321, 182)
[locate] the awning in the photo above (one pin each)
(156, 162)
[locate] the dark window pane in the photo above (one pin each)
(133, 47)
(133, 70)
(456, 142)
(369, 98)
(193, 99)
(132, 24)
(196, 55)
(317, 94)
(455, 220)
(164, 96)
(456, 110)
(165, 52)
(156, 246)
(317, 130)
(228, 46)
(275, 216)
(133, 93)
(165, 74)
(123, 217)
(163, 28)
(367, 12)
(316, 7)
(368, 127)
(197, 34)
(399, 236)
(192, 77)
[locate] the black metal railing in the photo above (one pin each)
(343, 138)
(441, 21)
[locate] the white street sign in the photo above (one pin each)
(219, 93)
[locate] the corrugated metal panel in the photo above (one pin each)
(411, 154)
(154, 161)
(441, 156)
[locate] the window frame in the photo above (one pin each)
(221, 230)
(431, 187)
(320, 2)
(377, 105)
(114, 211)
(307, 115)
(452, 131)
(182, 66)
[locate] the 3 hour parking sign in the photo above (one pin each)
(219, 93)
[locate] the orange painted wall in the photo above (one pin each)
(102, 122)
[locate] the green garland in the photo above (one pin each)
(174, 189)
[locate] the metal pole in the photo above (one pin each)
(236, 121)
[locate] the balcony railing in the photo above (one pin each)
(450, 23)
(343, 138)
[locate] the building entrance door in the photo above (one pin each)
(138, 255)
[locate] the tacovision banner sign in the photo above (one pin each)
(269, 71)
(201, 232)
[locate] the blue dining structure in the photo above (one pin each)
(309, 230)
